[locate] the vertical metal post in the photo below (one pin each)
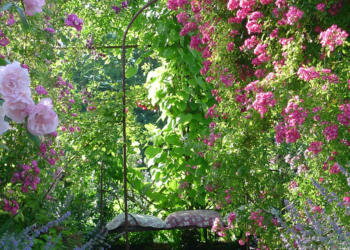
(124, 124)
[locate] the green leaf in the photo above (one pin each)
(138, 61)
(201, 83)
(183, 119)
(201, 201)
(183, 96)
(2, 62)
(34, 138)
(2, 146)
(130, 72)
(181, 105)
(168, 52)
(7, 6)
(173, 139)
(181, 51)
(24, 22)
(152, 151)
(192, 193)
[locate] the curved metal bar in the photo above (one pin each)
(124, 123)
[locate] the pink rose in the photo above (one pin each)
(320, 6)
(42, 120)
(33, 6)
(4, 126)
(14, 80)
(18, 108)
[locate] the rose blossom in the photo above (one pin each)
(320, 7)
(4, 126)
(18, 108)
(33, 6)
(14, 80)
(42, 120)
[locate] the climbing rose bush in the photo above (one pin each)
(281, 89)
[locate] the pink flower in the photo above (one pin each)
(71, 129)
(14, 80)
(346, 201)
(51, 30)
(25, 66)
(10, 21)
(241, 242)
(64, 129)
(74, 21)
(70, 86)
(19, 107)
(33, 6)
(320, 7)
(42, 120)
(77, 128)
(4, 41)
(52, 161)
(54, 134)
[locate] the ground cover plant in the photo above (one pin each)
(239, 106)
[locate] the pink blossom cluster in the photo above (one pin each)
(253, 86)
(266, 1)
(331, 132)
(315, 147)
(4, 41)
(285, 41)
(255, 16)
(334, 169)
(183, 185)
(212, 112)
(217, 227)
(335, 8)
(344, 118)
(253, 27)
(308, 74)
(182, 17)
(263, 100)
(74, 21)
(11, 206)
(293, 116)
(260, 49)
(175, 4)
(206, 67)
(28, 176)
(188, 28)
(250, 43)
(195, 42)
(257, 218)
(333, 37)
(211, 139)
(260, 73)
(14, 87)
(293, 15)
(226, 79)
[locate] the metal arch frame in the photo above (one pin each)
(124, 122)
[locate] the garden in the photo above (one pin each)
(174, 124)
